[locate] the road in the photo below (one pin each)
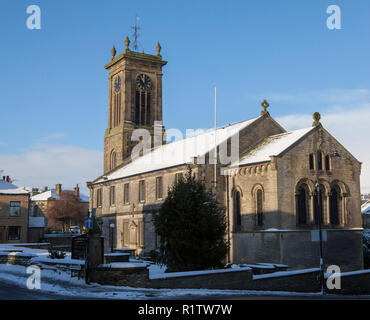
(13, 292)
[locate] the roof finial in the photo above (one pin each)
(158, 48)
(316, 118)
(264, 105)
(113, 52)
(127, 44)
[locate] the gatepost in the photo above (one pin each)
(95, 247)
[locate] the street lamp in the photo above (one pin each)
(335, 154)
(111, 226)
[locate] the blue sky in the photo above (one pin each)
(54, 87)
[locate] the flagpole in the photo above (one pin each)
(215, 163)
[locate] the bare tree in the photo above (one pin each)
(67, 210)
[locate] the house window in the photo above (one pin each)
(311, 161)
(14, 233)
(327, 163)
(15, 208)
(126, 193)
(112, 195)
(178, 177)
(141, 190)
(159, 188)
(99, 198)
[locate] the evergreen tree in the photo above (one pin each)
(191, 227)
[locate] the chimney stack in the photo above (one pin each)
(76, 191)
(58, 189)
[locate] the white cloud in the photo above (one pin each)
(46, 164)
(324, 98)
(346, 117)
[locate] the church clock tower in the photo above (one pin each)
(135, 101)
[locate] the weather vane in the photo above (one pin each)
(136, 29)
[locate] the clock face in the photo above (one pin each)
(143, 82)
(117, 83)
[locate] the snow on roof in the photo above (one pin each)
(365, 208)
(272, 146)
(178, 152)
(9, 188)
(36, 222)
(43, 196)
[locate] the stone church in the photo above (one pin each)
(276, 192)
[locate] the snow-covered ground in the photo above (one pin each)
(60, 282)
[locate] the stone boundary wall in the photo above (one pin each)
(356, 282)
(226, 279)
(306, 280)
(60, 240)
(137, 277)
(42, 246)
(16, 258)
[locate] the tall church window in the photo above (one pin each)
(334, 205)
(302, 205)
(327, 163)
(126, 193)
(143, 100)
(113, 162)
(159, 188)
(112, 195)
(311, 162)
(319, 160)
(142, 190)
(319, 205)
(237, 213)
(259, 208)
(142, 108)
(137, 108)
(148, 98)
(99, 198)
(116, 109)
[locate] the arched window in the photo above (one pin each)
(143, 98)
(335, 206)
(259, 208)
(319, 206)
(116, 109)
(302, 202)
(237, 213)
